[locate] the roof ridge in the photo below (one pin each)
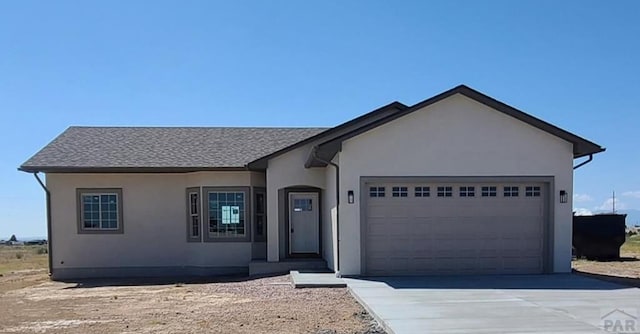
(194, 127)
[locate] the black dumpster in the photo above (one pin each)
(598, 237)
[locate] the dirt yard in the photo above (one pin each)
(30, 303)
(627, 267)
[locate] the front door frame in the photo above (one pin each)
(287, 223)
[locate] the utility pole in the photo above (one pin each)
(614, 202)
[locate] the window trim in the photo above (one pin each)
(80, 211)
(190, 237)
(248, 214)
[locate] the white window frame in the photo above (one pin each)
(399, 191)
(422, 191)
(376, 192)
(511, 191)
(246, 214)
(444, 191)
(532, 191)
(489, 191)
(81, 193)
(467, 191)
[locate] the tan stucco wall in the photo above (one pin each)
(285, 171)
(454, 137)
(154, 214)
(329, 218)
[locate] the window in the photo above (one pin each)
(510, 191)
(445, 191)
(422, 192)
(467, 191)
(376, 191)
(226, 214)
(260, 215)
(489, 191)
(532, 191)
(99, 210)
(399, 191)
(193, 215)
(302, 204)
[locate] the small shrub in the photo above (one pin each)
(19, 256)
(41, 250)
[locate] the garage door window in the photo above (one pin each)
(532, 191)
(376, 191)
(445, 191)
(489, 191)
(422, 192)
(399, 191)
(510, 191)
(467, 191)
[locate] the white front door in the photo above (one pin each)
(304, 227)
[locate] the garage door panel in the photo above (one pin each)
(454, 235)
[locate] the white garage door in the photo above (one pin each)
(454, 228)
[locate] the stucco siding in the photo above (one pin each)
(455, 137)
(154, 207)
(283, 171)
(329, 218)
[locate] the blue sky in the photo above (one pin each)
(312, 63)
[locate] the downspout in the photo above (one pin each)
(49, 242)
(584, 162)
(314, 153)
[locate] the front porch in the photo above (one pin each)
(263, 268)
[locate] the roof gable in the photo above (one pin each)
(581, 146)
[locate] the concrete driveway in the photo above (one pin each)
(562, 303)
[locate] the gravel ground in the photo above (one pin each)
(264, 305)
(625, 270)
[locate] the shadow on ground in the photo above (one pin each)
(148, 281)
(520, 282)
(628, 281)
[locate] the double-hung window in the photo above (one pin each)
(99, 210)
(194, 226)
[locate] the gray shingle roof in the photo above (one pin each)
(162, 147)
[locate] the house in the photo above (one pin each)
(457, 184)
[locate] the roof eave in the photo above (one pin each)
(577, 155)
(102, 170)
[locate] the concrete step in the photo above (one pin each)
(316, 280)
